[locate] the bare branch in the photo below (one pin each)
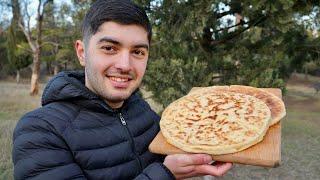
(44, 5)
(226, 28)
(39, 8)
(237, 33)
(220, 15)
(28, 36)
(26, 29)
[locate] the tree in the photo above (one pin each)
(18, 55)
(60, 33)
(3, 52)
(248, 42)
(34, 40)
(66, 33)
(58, 38)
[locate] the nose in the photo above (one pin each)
(123, 63)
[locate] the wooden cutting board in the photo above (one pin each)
(266, 153)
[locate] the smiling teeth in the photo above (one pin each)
(117, 79)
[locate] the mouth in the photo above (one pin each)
(120, 81)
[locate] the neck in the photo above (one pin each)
(114, 105)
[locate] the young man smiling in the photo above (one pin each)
(93, 125)
(115, 59)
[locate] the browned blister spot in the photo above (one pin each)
(189, 124)
(212, 117)
(249, 133)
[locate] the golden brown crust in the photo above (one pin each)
(215, 122)
(274, 103)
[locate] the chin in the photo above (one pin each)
(120, 96)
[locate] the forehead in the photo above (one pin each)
(125, 34)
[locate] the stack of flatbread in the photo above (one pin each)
(221, 119)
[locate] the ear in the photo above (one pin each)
(79, 46)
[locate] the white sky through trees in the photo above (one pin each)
(6, 12)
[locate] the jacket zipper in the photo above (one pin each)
(124, 123)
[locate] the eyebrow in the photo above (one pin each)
(113, 41)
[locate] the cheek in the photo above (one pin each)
(140, 67)
(99, 64)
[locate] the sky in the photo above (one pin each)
(6, 15)
(33, 8)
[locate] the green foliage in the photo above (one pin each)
(262, 49)
(60, 34)
(17, 49)
(200, 43)
(183, 76)
(268, 78)
(16, 44)
(3, 56)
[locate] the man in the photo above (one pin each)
(93, 125)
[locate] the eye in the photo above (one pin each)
(139, 52)
(109, 49)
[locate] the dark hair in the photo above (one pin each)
(119, 11)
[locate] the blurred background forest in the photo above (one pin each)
(199, 43)
(260, 43)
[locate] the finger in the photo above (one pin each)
(218, 170)
(195, 159)
(224, 166)
(200, 170)
(185, 169)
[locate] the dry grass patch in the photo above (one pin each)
(14, 102)
(300, 132)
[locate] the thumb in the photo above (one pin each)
(195, 159)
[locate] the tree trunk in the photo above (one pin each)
(306, 73)
(35, 43)
(35, 74)
(238, 18)
(18, 76)
(49, 68)
(56, 69)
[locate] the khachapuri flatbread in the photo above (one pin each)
(275, 104)
(215, 122)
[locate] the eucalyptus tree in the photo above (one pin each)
(34, 37)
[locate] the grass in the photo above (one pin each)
(300, 132)
(300, 150)
(14, 102)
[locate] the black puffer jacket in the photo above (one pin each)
(76, 135)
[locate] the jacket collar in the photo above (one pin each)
(70, 86)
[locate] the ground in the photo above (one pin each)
(300, 131)
(300, 151)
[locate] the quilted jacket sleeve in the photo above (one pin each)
(39, 152)
(155, 171)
